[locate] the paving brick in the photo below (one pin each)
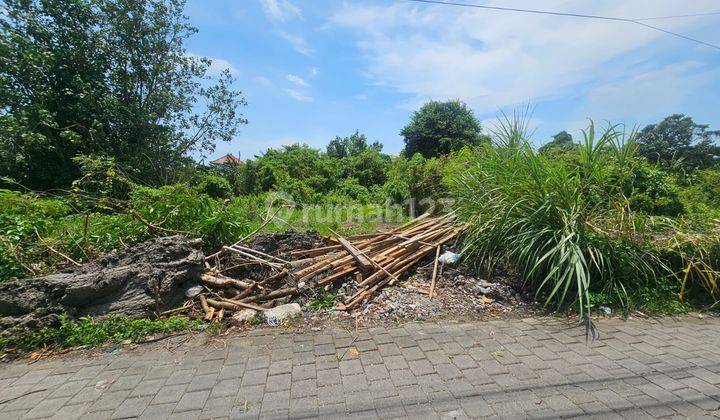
(192, 401)
(531, 368)
(354, 383)
(254, 377)
(169, 394)
(278, 382)
(395, 362)
(46, 408)
(304, 388)
(132, 407)
(303, 372)
(328, 377)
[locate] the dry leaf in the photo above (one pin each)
(353, 351)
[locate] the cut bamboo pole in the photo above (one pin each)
(434, 274)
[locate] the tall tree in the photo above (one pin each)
(561, 142)
(678, 142)
(110, 78)
(439, 128)
(357, 143)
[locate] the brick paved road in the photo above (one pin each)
(516, 368)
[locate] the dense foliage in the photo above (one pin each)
(586, 225)
(108, 78)
(439, 128)
(679, 144)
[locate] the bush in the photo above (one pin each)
(547, 219)
(180, 208)
(214, 186)
(654, 191)
(101, 186)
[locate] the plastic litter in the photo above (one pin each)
(449, 257)
(607, 310)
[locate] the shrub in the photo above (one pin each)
(215, 186)
(101, 186)
(654, 191)
(548, 219)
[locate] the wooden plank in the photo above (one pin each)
(363, 261)
(435, 270)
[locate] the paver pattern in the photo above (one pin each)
(537, 367)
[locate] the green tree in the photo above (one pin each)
(439, 128)
(677, 142)
(562, 142)
(110, 78)
(341, 147)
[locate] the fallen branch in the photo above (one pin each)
(55, 251)
(149, 225)
(232, 305)
(223, 281)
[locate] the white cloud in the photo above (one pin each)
(280, 10)
(217, 65)
(314, 71)
(262, 80)
(300, 96)
(297, 80)
(493, 59)
(297, 42)
(651, 94)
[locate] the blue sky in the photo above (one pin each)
(314, 69)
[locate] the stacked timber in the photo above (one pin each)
(371, 261)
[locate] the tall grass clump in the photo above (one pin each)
(564, 224)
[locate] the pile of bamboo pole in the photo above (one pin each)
(372, 261)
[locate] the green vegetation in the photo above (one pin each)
(679, 144)
(439, 128)
(101, 107)
(326, 301)
(106, 78)
(590, 226)
(90, 332)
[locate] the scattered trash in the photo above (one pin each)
(607, 310)
(449, 257)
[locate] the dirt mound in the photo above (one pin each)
(148, 277)
(280, 244)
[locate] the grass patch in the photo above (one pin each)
(91, 332)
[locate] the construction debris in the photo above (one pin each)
(366, 262)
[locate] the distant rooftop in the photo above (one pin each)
(228, 159)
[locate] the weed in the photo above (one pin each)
(327, 301)
(91, 332)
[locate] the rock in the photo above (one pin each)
(244, 316)
(275, 316)
(193, 291)
(138, 281)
